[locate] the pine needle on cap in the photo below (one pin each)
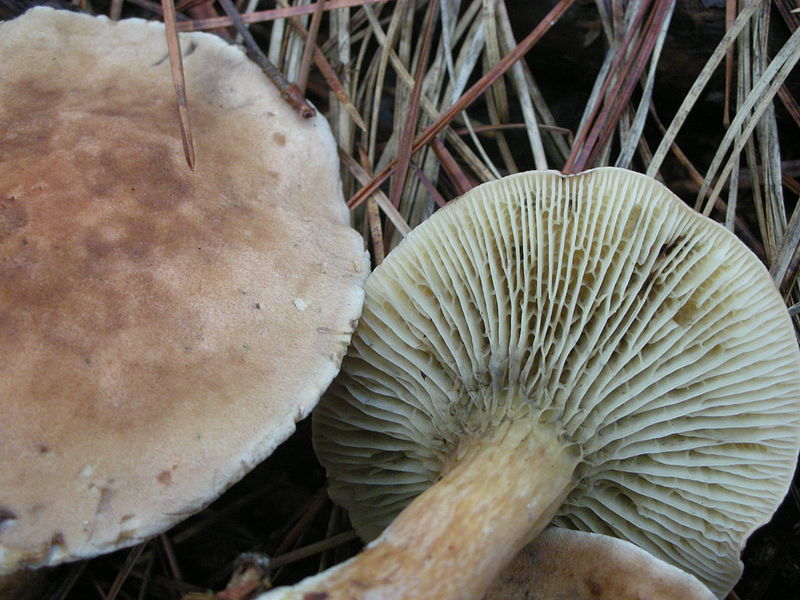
(176, 64)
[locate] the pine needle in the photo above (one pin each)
(470, 96)
(176, 65)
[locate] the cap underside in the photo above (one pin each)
(650, 335)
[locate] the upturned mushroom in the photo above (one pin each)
(584, 350)
(161, 331)
(562, 563)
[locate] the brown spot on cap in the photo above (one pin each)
(594, 585)
(13, 216)
(279, 138)
(165, 477)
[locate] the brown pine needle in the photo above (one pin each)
(627, 68)
(456, 174)
(312, 549)
(184, 5)
(315, 504)
(178, 80)
(790, 104)
(262, 16)
(478, 88)
(329, 73)
(429, 186)
(130, 561)
(364, 177)
(308, 51)
(409, 127)
(373, 217)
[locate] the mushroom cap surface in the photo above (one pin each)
(577, 565)
(161, 330)
(646, 334)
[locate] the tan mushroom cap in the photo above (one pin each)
(627, 361)
(575, 565)
(161, 331)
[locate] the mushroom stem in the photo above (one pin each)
(498, 494)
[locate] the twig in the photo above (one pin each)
(289, 91)
(328, 73)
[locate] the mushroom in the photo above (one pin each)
(161, 331)
(562, 563)
(580, 349)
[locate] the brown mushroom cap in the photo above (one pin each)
(577, 565)
(161, 330)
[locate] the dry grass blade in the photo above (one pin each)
(784, 267)
(699, 84)
(388, 56)
(469, 97)
(176, 64)
(497, 102)
(759, 98)
(523, 87)
(766, 138)
(730, 15)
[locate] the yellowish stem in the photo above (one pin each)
(453, 539)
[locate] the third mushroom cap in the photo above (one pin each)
(580, 348)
